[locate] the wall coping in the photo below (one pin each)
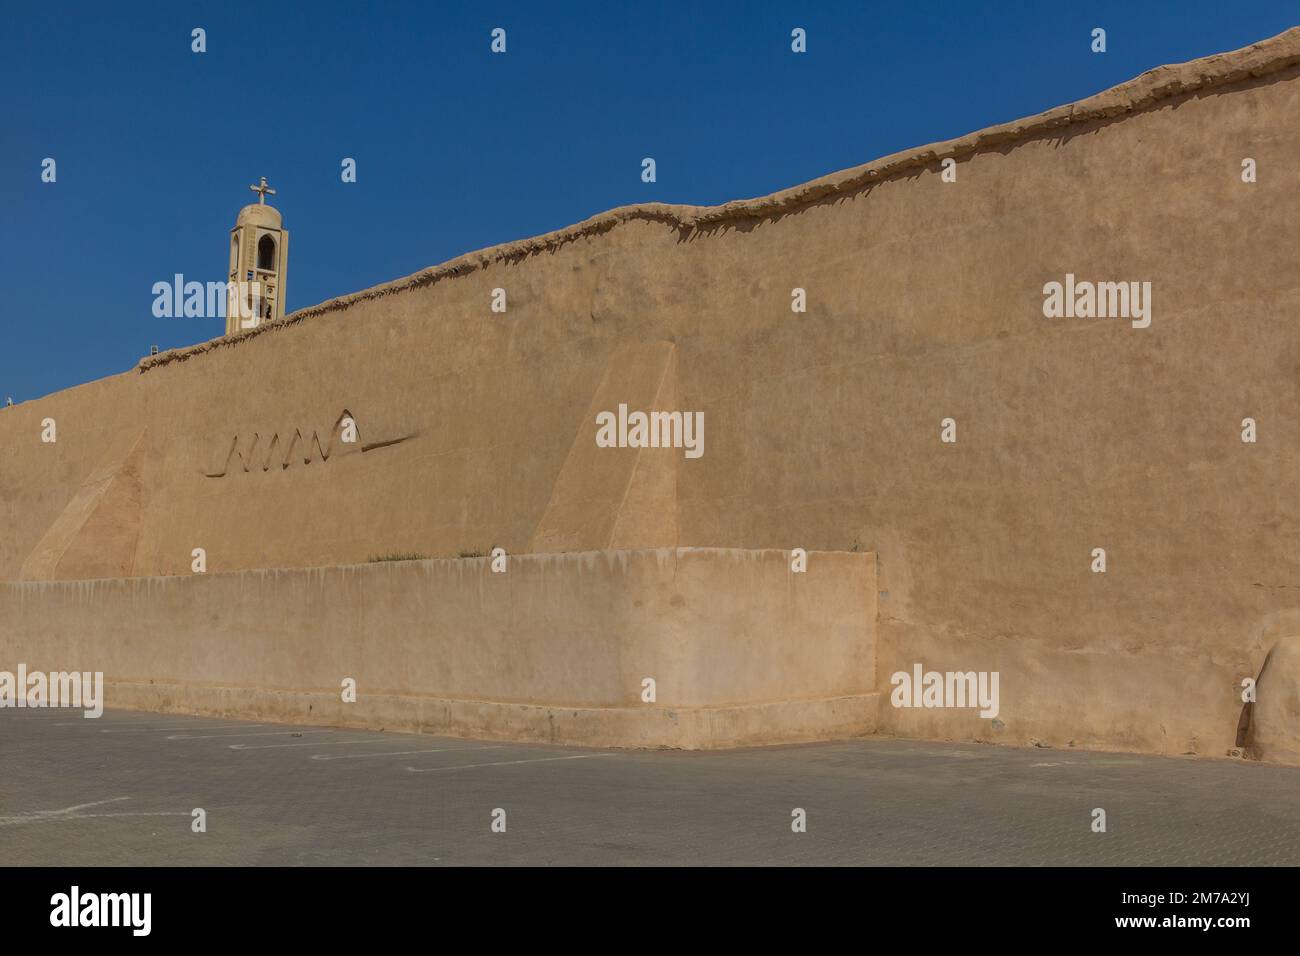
(607, 554)
(1141, 94)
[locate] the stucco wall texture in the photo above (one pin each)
(925, 302)
(554, 648)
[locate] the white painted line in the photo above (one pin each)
(305, 743)
(503, 763)
(269, 733)
(82, 806)
(159, 730)
(37, 818)
(36, 815)
(49, 715)
(400, 753)
(130, 727)
(386, 739)
(134, 813)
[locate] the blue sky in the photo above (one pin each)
(457, 148)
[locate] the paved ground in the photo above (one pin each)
(120, 790)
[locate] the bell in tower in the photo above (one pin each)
(259, 259)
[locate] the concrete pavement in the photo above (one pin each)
(122, 790)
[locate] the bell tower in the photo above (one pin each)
(259, 260)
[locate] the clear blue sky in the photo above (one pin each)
(457, 148)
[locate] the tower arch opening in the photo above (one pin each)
(266, 254)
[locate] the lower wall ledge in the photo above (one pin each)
(644, 726)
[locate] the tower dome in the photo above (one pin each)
(257, 214)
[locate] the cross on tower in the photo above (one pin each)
(262, 190)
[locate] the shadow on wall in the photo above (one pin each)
(1269, 728)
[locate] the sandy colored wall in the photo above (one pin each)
(556, 647)
(925, 301)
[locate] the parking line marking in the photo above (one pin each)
(73, 809)
(49, 713)
(60, 817)
(305, 743)
(400, 753)
(159, 730)
(138, 728)
(504, 763)
(269, 733)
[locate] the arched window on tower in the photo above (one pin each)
(266, 253)
(234, 254)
